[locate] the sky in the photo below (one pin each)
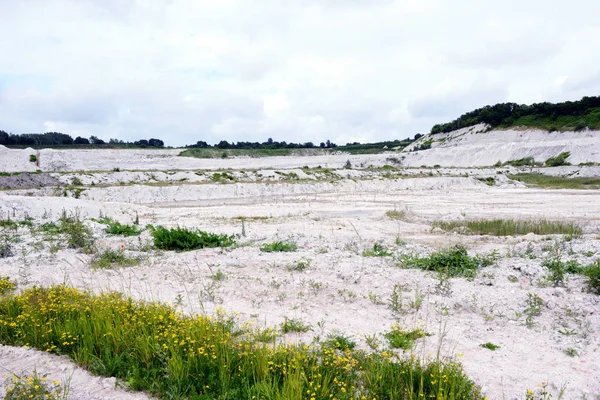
(293, 70)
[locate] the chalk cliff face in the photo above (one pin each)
(476, 146)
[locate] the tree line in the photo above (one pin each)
(62, 139)
(575, 115)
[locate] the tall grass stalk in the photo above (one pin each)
(509, 227)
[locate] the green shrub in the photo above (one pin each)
(78, 235)
(339, 342)
(279, 246)
(559, 160)
(116, 228)
(592, 273)
(489, 346)
(294, 325)
(453, 262)
(32, 158)
(185, 239)
(398, 338)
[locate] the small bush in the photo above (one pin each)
(593, 277)
(396, 214)
(78, 235)
(185, 239)
(116, 228)
(559, 160)
(453, 262)
(279, 246)
(76, 181)
(32, 158)
(339, 342)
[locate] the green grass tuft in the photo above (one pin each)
(110, 259)
(279, 246)
(508, 227)
(557, 182)
(116, 228)
(453, 262)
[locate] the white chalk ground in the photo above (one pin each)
(341, 290)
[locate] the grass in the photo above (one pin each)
(279, 246)
(557, 182)
(183, 239)
(592, 273)
(559, 160)
(398, 338)
(452, 262)
(152, 347)
(78, 235)
(509, 227)
(110, 259)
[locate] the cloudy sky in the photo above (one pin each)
(294, 70)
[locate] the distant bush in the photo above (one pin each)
(593, 277)
(559, 160)
(186, 239)
(32, 158)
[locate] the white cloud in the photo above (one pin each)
(300, 70)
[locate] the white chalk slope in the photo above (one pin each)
(473, 146)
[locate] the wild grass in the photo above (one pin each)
(557, 182)
(279, 246)
(77, 234)
(592, 273)
(396, 215)
(153, 348)
(294, 325)
(451, 262)
(110, 259)
(559, 160)
(183, 239)
(509, 227)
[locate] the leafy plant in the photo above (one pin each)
(592, 273)
(35, 387)
(489, 346)
(398, 338)
(559, 160)
(339, 342)
(454, 262)
(7, 285)
(116, 228)
(185, 239)
(378, 250)
(396, 214)
(279, 246)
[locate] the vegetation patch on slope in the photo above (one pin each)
(569, 115)
(557, 182)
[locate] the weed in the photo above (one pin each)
(294, 325)
(300, 265)
(279, 246)
(347, 295)
(78, 235)
(32, 158)
(35, 387)
(116, 228)
(185, 239)
(489, 346)
(7, 285)
(534, 308)
(76, 181)
(110, 259)
(218, 276)
(267, 335)
(592, 273)
(378, 250)
(339, 342)
(571, 352)
(395, 303)
(507, 227)
(375, 298)
(454, 262)
(398, 338)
